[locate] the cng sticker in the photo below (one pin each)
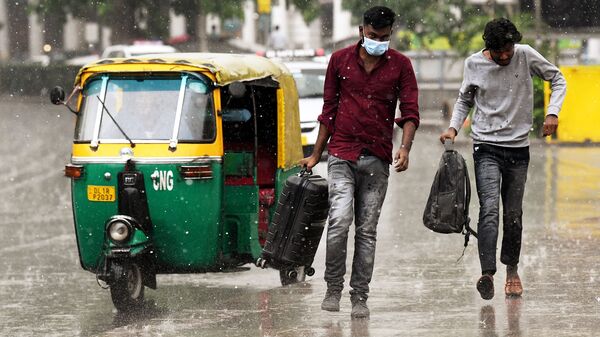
(162, 180)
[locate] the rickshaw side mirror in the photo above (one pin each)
(237, 89)
(57, 95)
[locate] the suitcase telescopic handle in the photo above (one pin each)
(304, 172)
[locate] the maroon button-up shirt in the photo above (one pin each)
(359, 108)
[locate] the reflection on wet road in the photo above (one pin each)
(573, 189)
(418, 289)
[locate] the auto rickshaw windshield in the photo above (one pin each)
(147, 108)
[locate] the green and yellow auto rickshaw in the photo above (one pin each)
(177, 164)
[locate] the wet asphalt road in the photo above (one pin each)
(418, 288)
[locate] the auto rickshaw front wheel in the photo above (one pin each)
(127, 291)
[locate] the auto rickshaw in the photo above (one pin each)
(177, 164)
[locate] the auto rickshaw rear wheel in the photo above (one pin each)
(127, 292)
(292, 275)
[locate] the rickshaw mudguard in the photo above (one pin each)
(139, 251)
(138, 244)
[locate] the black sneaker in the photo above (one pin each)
(359, 307)
(331, 302)
(485, 286)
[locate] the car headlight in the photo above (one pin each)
(119, 230)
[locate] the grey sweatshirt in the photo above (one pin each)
(503, 96)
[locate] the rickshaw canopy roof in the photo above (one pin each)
(226, 69)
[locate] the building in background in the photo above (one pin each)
(22, 35)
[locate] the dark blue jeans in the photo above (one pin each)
(356, 192)
(500, 172)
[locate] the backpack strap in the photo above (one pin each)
(467, 231)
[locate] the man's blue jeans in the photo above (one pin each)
(356, 191)
(500, 172)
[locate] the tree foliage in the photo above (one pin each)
(310, 9)
(458, 21)
(135, 19)
(149, 19)
(225, 9)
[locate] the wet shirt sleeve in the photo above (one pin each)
(330, 95)
(465, 101)
(547, 71)
(408, 95)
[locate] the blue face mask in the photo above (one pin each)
(375, 48)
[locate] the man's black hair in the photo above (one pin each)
(500, 32)
(379, 17)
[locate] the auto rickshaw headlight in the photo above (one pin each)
(119, 230)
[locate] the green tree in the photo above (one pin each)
(127, 19)
(313, 9)
(53, 16)
(455, 20)
(138, 19)
(310, 9)
(195, 12)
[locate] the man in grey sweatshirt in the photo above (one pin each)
(497, 83)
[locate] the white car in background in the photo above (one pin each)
(124, 50)
(134, 50)
(310, 78)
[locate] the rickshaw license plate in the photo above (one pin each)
(101, 193)
(304, 140)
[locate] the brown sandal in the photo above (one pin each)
(513, 287)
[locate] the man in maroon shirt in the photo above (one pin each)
(363, 84)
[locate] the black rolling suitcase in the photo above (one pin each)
(298, 223)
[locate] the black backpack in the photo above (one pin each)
(447, 209)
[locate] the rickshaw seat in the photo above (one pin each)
(236, 181)
(266, 167)
(239, 158)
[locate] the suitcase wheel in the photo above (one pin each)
(292, 275)
(261, 263)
